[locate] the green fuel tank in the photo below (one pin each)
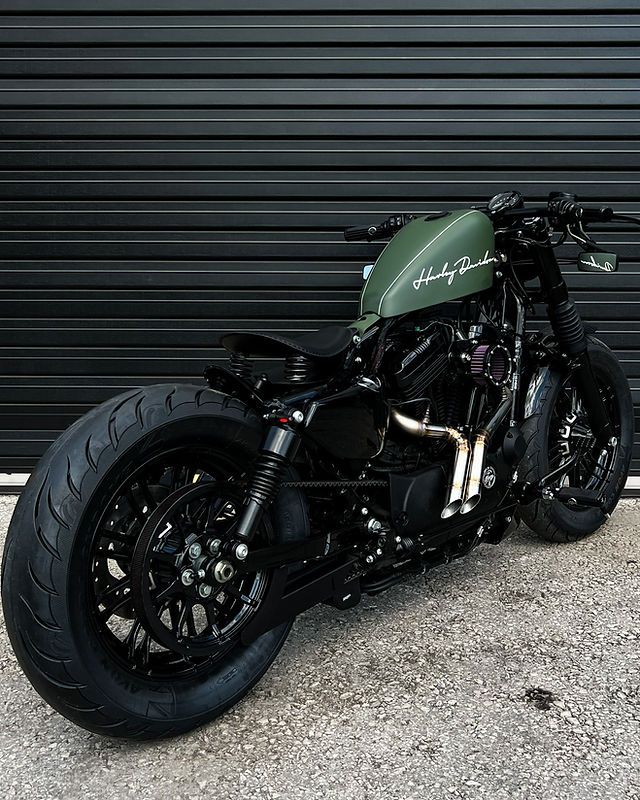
(431, 260)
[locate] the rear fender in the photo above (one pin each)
(221, 379)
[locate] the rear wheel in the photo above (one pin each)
(120, 605)
(559, 430)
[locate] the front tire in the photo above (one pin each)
(548, 433)
(50, 564)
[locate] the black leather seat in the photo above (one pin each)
(328, 342)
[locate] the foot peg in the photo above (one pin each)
(577, 497)
(569, 495)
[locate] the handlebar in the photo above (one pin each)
(562, 210)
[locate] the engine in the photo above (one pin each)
(442, 373)
(415, 371)
(436, 375)
(448, 388)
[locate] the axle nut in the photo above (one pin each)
(223, 571)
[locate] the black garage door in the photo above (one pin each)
(170, 169)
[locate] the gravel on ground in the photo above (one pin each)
(512, 673)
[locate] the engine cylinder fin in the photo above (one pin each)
(423, 365)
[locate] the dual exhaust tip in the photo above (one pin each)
(468, 497)
(468, 465)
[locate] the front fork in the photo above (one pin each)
(572, 340)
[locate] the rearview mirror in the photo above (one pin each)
(598, 262)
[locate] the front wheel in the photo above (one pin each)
(558, 430)
(120, 605)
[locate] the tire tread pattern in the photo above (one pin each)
(53, 500)
(548, 518)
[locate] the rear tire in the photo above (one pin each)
(551, 519)
(48, 562)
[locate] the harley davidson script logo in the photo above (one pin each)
(459, 267)
(599, 262)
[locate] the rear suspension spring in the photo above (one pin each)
(276, 454)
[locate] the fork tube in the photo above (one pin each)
(572, 340)
(517, 360)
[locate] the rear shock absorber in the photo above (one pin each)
(276, 454)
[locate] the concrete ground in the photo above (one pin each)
(513, 673)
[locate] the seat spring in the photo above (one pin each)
(298, 369)
(240, 365)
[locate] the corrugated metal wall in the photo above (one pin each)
(170, 170)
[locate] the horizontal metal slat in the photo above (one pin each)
(353, 30)
(318, 7)
(313, 155)
(436, 93)
(345, 186)
(328, 61)
(285, 123)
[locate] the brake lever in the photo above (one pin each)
(585, 241)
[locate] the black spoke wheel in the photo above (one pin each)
(129, 514)
(558, 432)
(572, 441)
(189, 591)
(91, 605)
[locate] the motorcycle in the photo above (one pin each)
(164, 544)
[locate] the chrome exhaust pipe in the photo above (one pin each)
(473, 487)
(472, 492)
(416, 427)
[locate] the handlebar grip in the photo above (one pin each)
(604, 214)
(564, 208)
(357, 233)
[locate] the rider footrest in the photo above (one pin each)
(579, 497)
